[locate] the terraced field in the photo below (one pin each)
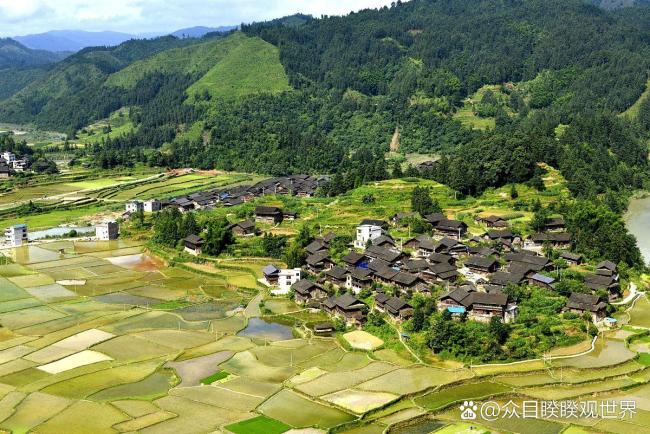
(153, 349)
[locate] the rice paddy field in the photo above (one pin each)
(108, 329)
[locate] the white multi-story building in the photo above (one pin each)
(286, 278)
(16, 235)
(19, 165)
(152, 205)
(133, 206)
(106, 231)
(368, 230)
(9, 157)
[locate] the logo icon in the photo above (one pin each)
(468, 410)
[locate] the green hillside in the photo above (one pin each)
(251, 67)
(633, 111)
(187, 60)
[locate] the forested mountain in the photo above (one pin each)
(299, 94)
(72, 93)
(14, 54)
(72, 40)
(200, 31)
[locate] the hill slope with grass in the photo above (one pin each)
(252, 66)
(234, 66)
(194, 59)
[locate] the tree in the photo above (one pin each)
(166, 227)
(539, 220)
(417, 323)
(423, 203)
(138, 218)
(189, 226)
(304, 236)
(514, 194)
(294, 256)
(368, 199)
(218, 236)
(397, 170)
(499, 329)
(273, 245)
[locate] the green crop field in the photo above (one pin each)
(258, 425)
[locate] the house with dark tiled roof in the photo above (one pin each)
(597, 282)
(500, 235)
(316, 246)
(559, 240)
(354, 259)
(268, 214)
(395, 307)
(443, 272)
(587, 303)
(359, 279)
(542, 281)
(454, 229)
(400, 217)
(243, 229)
(337, 276)
(271, 274)
(441, 258)
(572, 258)
(306, 291)
(193, 244)
(434, 219)
(408, 282)
(555, 224)
(387, 255)
(479, 306)
(319, 262)
(607, 268)
(503, 278)
(346, 306)
(482, 265)
(493, 221)
(414, 243)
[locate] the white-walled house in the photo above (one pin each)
(107, 230)
(134, 206)
(286, 278)
(152, 205)
(368, 230)
(16, 235)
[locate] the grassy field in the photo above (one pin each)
(467, 114)
(633, 111)
(195, 59)
(118, 122)
(253, 66)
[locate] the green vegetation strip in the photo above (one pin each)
(445, 397)
(258, 425)
(215, 377)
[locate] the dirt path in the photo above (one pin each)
(394, 141)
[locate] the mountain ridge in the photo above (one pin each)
(76, 40)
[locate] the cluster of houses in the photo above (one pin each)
(475, 271)
(17, 235)
(10, 163)
(295, 185)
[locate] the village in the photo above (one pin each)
(467, 274)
